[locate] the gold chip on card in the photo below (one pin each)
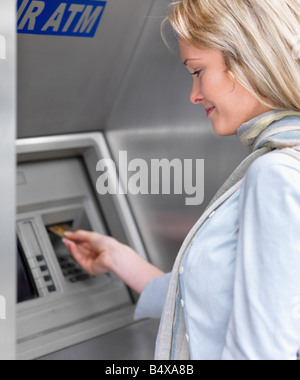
(60, 230)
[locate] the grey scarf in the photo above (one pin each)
(264, 134)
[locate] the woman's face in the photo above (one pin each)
(227, 103)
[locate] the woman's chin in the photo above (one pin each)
(221, 130)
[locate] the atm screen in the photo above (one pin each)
(26, 288)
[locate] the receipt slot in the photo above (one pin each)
(59, 304)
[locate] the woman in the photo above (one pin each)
(234, 288)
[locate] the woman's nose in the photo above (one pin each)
(196, 95)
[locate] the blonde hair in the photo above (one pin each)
(260, 41)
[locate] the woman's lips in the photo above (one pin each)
(209, 110)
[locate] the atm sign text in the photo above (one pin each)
(75, 18)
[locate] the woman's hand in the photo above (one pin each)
(99, 254)
(92, 251)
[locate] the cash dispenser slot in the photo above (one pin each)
(59, 304)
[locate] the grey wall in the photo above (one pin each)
(7, 180)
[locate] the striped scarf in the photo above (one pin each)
(264, 134)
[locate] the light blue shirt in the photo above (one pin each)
(240, 279)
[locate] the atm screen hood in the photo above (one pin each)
(69, 84)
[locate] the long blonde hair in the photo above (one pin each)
(260, 41)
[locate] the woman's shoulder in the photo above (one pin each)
(274, 167)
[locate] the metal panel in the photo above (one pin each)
(165, 220)
(91, 147)
(153, 119)
(57, 191)
(135, 342)
(69, 84)
(7, 160)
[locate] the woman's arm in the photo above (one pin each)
(99, 254)
(264, 324)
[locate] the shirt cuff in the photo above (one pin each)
(152, 300)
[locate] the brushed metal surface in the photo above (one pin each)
(91, 147)
(165, 220)
(68, 84)
(135, 342)
(7, 171)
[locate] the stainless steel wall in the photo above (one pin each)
(128, 84)
(69, 84)
(7, 186)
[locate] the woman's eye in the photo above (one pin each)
(197, 74)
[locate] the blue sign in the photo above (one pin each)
(75, 18)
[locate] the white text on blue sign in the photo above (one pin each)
(75, 18)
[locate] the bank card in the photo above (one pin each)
(60, 230)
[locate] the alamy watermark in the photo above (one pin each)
(160, 177)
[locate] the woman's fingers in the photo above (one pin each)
(93, 240)
(91, 250)
(82, 248)
(78, 255)
(72, 249)
(80, 236)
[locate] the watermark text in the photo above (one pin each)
(160, 177)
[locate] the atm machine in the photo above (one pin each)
(67, 81)
(94, 78)
(59, 304)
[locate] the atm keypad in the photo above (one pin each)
(71, 270)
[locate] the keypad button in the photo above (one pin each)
(51, 288)
(40, 258)
(67, 266)
(81, 277)
(71, 270)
